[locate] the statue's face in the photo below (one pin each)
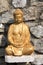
(19, 18)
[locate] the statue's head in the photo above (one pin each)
(18, 15)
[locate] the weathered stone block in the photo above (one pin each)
(31, 23)
(38, 44)
(41, 22)
(33, 2)
(38, 60)
(30, 13)
(41, 16)
(7, 17)
(19, 3)
(40, 4)
(37, 31)
(4, 6)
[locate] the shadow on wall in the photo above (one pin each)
(3, 41)
(40, 0)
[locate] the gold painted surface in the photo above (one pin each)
(19, 36)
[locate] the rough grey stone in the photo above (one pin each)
(4, 6)
(38, 44)
(41, 23)
(1, 28)
(7, 17)
(0, 19)
(37, 31)
(34, 2)
(30, 13)
(9, 1)
(38, 59)
(37, 12)
(41, 16)
(28, 3)
(39, 4)
(31, 23)
(19, 3)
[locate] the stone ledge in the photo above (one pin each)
(19, 59)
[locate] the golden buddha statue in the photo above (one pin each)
(19, 36)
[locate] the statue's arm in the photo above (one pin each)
(10, 34)
(27, 33)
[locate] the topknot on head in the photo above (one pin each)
(17, 12)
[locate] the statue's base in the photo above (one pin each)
(19, 59)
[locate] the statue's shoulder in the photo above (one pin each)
(11, 26)
(26, 26)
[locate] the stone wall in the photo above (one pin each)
(33, 17)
